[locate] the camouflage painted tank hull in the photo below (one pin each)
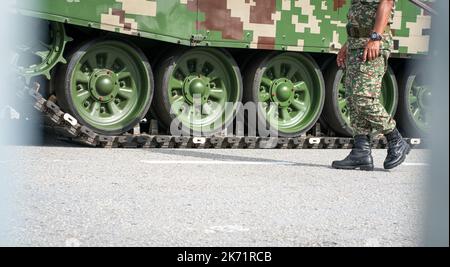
(315, 30)
(297, 25)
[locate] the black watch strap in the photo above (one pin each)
(374, 36)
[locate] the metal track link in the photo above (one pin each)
(68, 128)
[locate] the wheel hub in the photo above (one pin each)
(103, 85)
(196, 86)
(282, 92)
(424, 97)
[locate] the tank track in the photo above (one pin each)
(67, 128)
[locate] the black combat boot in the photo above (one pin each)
(360, 157)
(397, 150)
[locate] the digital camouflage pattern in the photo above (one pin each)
(363, 80)
(297, 25)
(361, 15)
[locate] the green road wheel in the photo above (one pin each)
(198, 91)
(107, 85)
(289, 90)
(336, 112)
(414, 111)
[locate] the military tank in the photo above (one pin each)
(113, 64)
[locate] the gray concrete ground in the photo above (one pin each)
(72, 196)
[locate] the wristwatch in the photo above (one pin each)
(376, 36)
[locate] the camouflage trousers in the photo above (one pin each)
(363, 83)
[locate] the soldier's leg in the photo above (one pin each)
(360, 156)
(368, 115)
(358, 124)
(398, 149)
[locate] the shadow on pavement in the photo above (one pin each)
(207, 155)
(47, 138)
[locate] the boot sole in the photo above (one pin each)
(361, 167)
(390, 167)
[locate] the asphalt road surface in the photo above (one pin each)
(74, 196)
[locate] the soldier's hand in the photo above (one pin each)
(372, 50)
(342, 57)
